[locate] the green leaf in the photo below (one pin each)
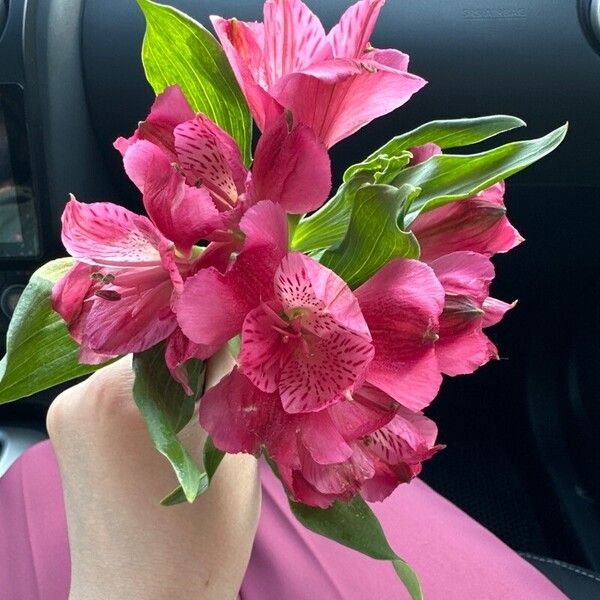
(327, 226)
(354, 524)
(167, 409)
(177, 496)
(212, 457)
(442, 179)
(453, 133)
(447, 178)
(380, 168)
(373, 237)
(40, 353)
(409, 579)
(234, 345)
(178, 50)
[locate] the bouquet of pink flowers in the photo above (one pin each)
(343, 311)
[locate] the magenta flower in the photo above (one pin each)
(468, 309)
(302, 332)
(242, 418)
(191, 171)
(397, 451)
(335, 83)
(306, 384)
(477, 224)
(456, 241)
(117, 297)
(402, 304)
(367, 444)
(380, 461)
(376, 462)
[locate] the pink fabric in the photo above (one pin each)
(34, 548)
(455, 557)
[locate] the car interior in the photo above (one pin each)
(522, 455)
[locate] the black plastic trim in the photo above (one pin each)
(547, 402)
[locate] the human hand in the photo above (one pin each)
(123, 543)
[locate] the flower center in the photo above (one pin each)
(289, 324)
(100, 281)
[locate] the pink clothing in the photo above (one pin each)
(455, 557)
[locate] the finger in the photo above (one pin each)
(218, 366)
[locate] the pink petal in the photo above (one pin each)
(402, 303)
(89, 357)
(70, 291)
(173, 266)
(424, 152)
(136, 321)
(291, 168)
(321, 438)
(466, 274)
(213, 305)
(389, 57)
(368, 410)
(410, 374)
(184, 214)
(386, 480)
(334, 348)
(397, 451)
(293, 38)
(247, 40)
(413, 436)
(463, 347)
(302, 282)
(169, 109)
(494, 311)
(243, 44)
(342, 479)
(262, 350)
(211, 157)
(337, 97)
(463, 352)
(107, 234)
(265, 228)
(178, 351)
(327, 358)
(265, 244)
(71, 300)
(320, 375)
(478, 224)
(236, 414)
(349, 38)
(304, 492)
(217, 255)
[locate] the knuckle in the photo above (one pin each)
(61, 411)
(99, 401)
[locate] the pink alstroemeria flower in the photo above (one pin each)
(397, 451)
(366, 445)
(306, 383)
(402, 304)
(190, 170)
(468, 309)
(477, 224)
(335, 83)
(302, 332)
(378, 461)
(117, 297)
